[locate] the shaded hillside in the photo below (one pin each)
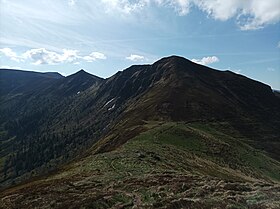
(73, 84)
(29, 132)
(63, 120)
(14, 82)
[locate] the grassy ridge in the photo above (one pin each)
(171, 165)
(211, 143)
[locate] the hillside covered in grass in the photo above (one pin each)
(170, 165)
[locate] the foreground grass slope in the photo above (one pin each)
(170, 165)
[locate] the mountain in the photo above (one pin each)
(17, 81)
(175, 89)
(168, 135)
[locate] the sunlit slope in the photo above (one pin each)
(169, 165)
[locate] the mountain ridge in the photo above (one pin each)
(220, 118)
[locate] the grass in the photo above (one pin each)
(189, 165)
(204, 141)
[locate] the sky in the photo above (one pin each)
(105, 36)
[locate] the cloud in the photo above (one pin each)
(182, 7)
(135, 57)
(206, 60)
(249, 14)
(278, 44)
(124, 6)
(128, 6)
(41, 56)
(11, 54)
(94, 56)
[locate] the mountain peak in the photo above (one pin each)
(83, 74)
(175, 62)
(173, 59)
(80, 72)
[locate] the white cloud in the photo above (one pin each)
(94, 56)
(206, 60)
(249, 14)
(11, 54)
(42, 56)
(135, 57)
(182, 7)
(125, 6)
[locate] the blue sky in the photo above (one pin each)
(105, 36)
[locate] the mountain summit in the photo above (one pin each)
(144, 131)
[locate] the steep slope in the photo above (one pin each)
(74, 84)
(175, 89)
(29, 112)
(110, 113)
(19, 82)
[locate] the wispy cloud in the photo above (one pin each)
(135, 57)
(42, 56)
(249, 14)
(206, 60)
(181, 7)
(124, 6)
(94, 56)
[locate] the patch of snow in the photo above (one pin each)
(108, 102)
(78, 92)
(111, 108)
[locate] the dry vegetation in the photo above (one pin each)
(172, 165)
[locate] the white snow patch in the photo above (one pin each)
(111, 108)
(108, 102)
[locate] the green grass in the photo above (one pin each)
(170, 162)
(185, 148)
(204, 141)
